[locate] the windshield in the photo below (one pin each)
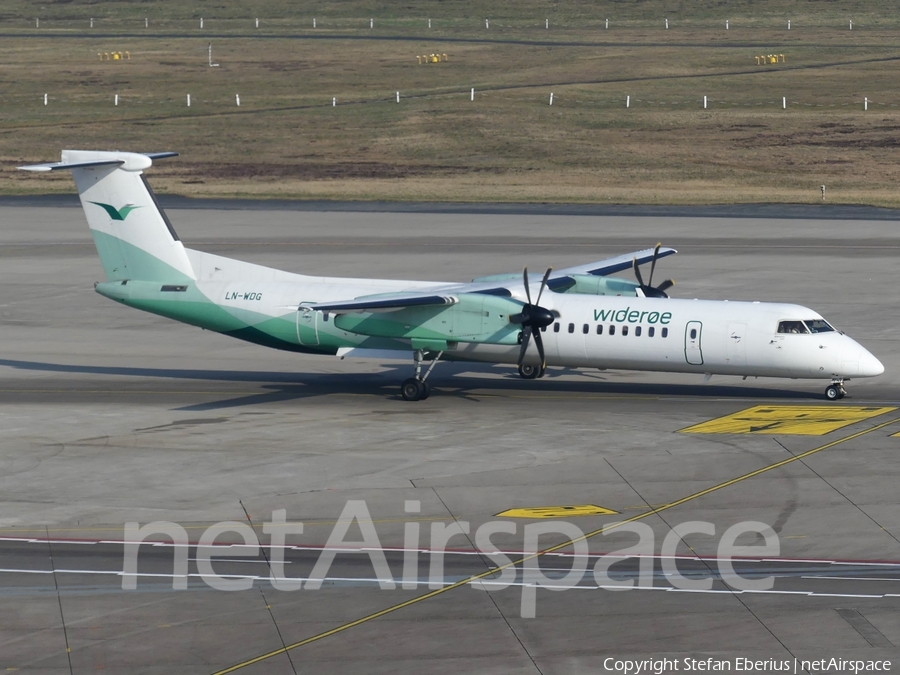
(792, 327)
(818, 326)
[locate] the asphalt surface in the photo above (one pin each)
(110, 416)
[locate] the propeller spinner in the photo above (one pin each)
(648, 289)
(533, 318)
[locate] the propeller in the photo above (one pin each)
(532, 318)
(648, 289)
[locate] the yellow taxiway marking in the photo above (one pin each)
(552, 549)
(556, 511)
(804, 420)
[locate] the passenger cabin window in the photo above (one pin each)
(571, 327)
(612, 330)
(586, 329)
(693, 333)
(651, 331)
(624, 330)
(556, 327)
(637, 331)
(818, 326)
(792, 327)
(665, 332)
(599, 329)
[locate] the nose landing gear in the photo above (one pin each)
(835, 390)
(417, 388)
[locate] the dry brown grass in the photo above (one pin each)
(509, 145)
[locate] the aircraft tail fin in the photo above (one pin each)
(133, 235)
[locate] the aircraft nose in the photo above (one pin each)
(869, 366)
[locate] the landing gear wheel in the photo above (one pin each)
(413, 390)
(527, 372)
(833, 392)
(427, 393)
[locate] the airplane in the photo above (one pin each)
(579, 317)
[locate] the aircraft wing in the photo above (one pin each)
(387, 301)
(498, 286)
(612, 265)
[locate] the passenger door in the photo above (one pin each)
(693, 353)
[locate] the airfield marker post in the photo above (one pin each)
(146, 22)
(472, 95)
(116, 100)
(45, 99)
(866, 103)
(789, 24)
(398, 97)
(201, 22)
(257, 22)
(371, 23)
(547, 23)
(704, 102)
(607, 24)
(487, 24)
(314, 22)
(726, 24)
(334, 101)
(188, 100)
(628, 101)
(667, 24)
(784, 102)
(37, 23)
(237, 100)
(92, 23)
(851, 24)
(551, 98)
(429, 23)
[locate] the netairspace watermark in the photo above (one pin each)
(520, 569)
(742, 664)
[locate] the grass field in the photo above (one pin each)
(287, 140)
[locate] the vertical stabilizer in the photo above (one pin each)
(134, 238)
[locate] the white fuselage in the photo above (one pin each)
(663, 334)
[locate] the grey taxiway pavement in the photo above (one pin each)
(110, 416)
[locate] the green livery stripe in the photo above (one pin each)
(122, 260)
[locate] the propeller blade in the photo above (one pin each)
(525, 281)
(653, 263)
(666, 285)
(526, 335)
(539, 343)
(543, 285)
(637, 271)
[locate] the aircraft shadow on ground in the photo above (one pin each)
(460, 380)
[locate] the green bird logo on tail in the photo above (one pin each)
(114, 213)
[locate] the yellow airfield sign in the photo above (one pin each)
(803, 420)
(557, 511)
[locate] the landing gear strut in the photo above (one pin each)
(835, 390)
(528, 372)
(417, 388)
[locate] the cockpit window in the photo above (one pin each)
(818, 326)
(792, 327)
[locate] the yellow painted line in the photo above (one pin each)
(556, 511)
(565, 544)
(804, 420)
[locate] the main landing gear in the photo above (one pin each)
(528, 372)
(417, 388)
(835, 390)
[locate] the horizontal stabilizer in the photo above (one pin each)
(130, 161)
(60, 166)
